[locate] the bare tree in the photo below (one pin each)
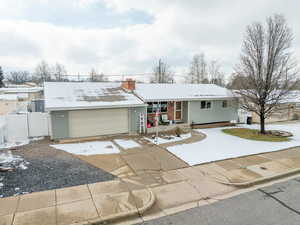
(198, 70)
(59, 72)
(43, 72)
(95, 77)
(268, 66)
(162, 74)
(102, 78)
(18, 77)
(215, 73)
(236, 81)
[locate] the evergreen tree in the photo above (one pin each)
(1, 78)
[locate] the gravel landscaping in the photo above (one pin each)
(47, 168)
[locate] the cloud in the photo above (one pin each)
(71, 13)
(129, 36)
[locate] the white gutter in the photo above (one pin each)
(187, 99)
(49, 109)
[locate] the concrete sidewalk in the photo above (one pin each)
(246, 171)
(78, 204)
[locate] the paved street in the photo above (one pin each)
(278, 204)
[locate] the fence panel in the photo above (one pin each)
(38, 124)
(17, 128)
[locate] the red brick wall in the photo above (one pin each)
(171, 110)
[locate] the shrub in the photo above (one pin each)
(295, 116)
(178, 131)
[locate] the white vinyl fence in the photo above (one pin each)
(38, 124)
(21, 127)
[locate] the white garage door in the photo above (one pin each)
(87, 123)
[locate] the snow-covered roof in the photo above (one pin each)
(21, 90)
(292, 97)
(86, 95)
(173, 92)
(8, 97)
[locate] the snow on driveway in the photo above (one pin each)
(126, 144)
(218, 145)
(89, 148)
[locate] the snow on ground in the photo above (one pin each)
(20, 143)
(89, 148)
(218, 145)
(7, 159)
(168, 139)
(126, 144)
(13, 145)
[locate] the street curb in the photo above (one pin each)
(108, 219)
(263, 179)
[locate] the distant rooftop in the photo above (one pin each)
(21, 89)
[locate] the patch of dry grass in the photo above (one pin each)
(253, 134)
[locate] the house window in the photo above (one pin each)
(224, 104)
(154, 106)
(164, 107)
(205, 104)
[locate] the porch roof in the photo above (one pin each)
(181, 92)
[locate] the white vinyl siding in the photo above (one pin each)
(88, 123)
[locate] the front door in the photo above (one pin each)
(178, 111)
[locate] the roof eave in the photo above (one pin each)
(49, 109)
(188, 99)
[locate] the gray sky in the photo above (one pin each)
(129, 36)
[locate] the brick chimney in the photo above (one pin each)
(128, 84)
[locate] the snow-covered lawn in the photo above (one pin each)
(89, 148)
(168, 139)
(126, 144)
(218, 145)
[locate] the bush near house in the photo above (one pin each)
(295, 116)
(253, 134)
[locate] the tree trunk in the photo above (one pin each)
(262, 124)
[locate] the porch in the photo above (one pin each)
(171, 114)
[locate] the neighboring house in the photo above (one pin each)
(24, 93)
(188, 103)
(18, 99)
(8, 103)
(288, 109)
(91, 109)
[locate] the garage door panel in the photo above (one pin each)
(85, 123)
